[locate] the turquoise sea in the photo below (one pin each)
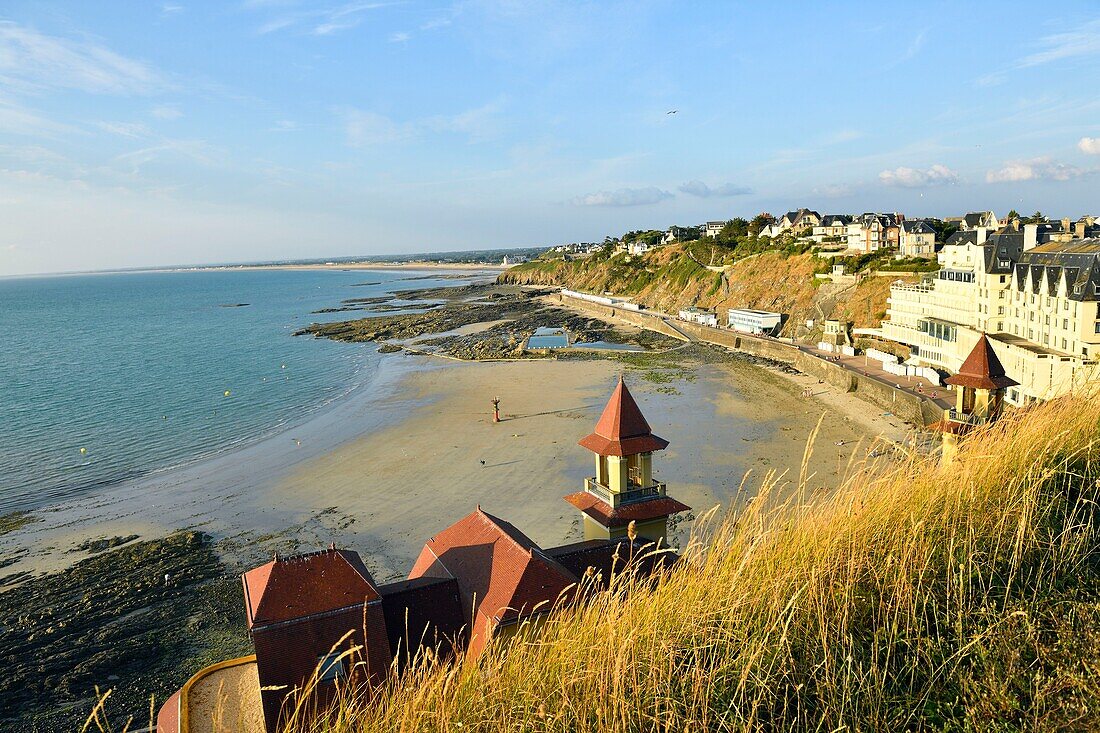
(106, 378)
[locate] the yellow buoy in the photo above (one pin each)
(83, 451)
(227, 393)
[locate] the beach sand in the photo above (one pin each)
(382, 472)
(406, 482)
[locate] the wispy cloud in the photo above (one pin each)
(197, 151)
(125, 129)
(1034, 169)
(702, 190)
(1089, 145)
(905, 177)
(170, 9)
(400, 37)
(284, 126)
(166, 112)
(364, 128)
(623, 197)
(31, 61)
(322, 21)
(834, 190)
(1082, 42)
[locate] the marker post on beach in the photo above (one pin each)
(496, 410)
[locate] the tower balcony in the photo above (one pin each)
(631, 495)
(965, 418)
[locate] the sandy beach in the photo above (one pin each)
(410, 480)
(392, 464)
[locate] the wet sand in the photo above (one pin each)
(401, 459)
(413, 479)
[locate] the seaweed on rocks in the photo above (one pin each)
(139, 619)
(514, 313)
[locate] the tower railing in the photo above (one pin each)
(631, 495)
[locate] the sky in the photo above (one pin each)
(181, 132)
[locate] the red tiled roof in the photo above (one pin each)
(982, 369)
(501, 573)
(641, 511)
(303, 585)
(622, 429)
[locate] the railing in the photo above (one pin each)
(631, 495)
(956, 416)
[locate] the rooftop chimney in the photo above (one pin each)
(1031, 236)
(1015, 224)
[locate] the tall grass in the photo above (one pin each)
(915, 596)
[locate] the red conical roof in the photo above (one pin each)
(982, 369)
(622, 429)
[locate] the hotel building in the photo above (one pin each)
(1033, 291)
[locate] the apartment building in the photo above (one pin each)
(1034, 294)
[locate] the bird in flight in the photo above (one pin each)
(672, 112)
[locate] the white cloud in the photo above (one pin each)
(170, 9)
(284, 126)
(1089, 145)
(166, 112)
(32, 61)
(399, 37)
(1083, 41)
(370, 128)
(1034, 169)
(324, 21)
(702, 190)
(125, 129)
(623, 197)
(16, 119)
(905, 177)
(834, 190)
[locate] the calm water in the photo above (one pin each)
(134, 370)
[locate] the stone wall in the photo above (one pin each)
(909, 407)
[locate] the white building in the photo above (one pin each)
(699, 315)
(711, 228)
(917, 239)
(638, 248)
(748, 320)
(1036, 300)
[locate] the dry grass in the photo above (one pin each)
(915, 597)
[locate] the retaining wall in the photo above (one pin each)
(907, 406)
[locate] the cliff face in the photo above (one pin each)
(670, 278)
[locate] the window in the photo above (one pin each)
(331, 668)
(1098, 327)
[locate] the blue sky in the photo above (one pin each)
(182, 132)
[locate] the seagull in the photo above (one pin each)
(672, 112)
(483, 463)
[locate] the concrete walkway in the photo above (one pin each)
(872, 368)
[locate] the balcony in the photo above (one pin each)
(960, 417)
(630, 496)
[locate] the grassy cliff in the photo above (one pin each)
(677, 275)
(914, 597)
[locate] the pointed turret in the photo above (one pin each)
(979, 395)
(623, 489)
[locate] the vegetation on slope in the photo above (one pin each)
(916, 596)
(677, 275)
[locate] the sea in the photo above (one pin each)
(107, 378)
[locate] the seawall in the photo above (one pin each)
(905, 405)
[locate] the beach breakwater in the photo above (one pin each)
(908, 407)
